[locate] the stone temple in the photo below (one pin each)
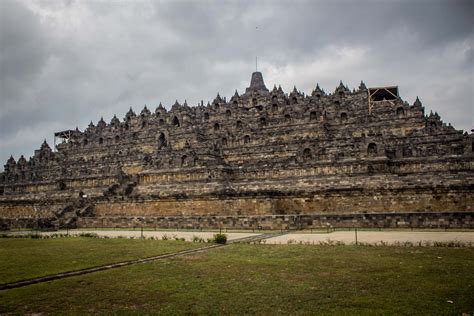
(262, 159)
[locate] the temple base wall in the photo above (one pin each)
(327, 203)
(358, 208)
(444, 220)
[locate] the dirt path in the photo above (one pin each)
(373, 237)
(188, 236)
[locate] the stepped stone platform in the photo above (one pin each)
(265, 158)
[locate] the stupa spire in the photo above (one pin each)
(257, 83)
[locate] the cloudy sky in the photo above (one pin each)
(65, 63)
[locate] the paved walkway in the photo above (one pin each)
(188, 236)
(347, 237)
(373, 237)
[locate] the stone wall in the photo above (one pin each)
(372, 220)
(339, 202)
(445, 220)
(265, 203)
(262, 153)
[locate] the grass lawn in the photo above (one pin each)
(268, 280)
(26, 258)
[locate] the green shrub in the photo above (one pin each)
(198, 239)
(88, 235)
(220, 238)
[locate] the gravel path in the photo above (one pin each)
(373, 237)
(346, 237)
(156, 234)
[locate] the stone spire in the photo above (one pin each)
(10, 164)
(160, 108)
(45, 150)
(45, 146)
(101, 123)
(341, 88)
(417, 102)
(145, 111)
(115, 121)
(11, 161)
(256, 83)
(317, 91)
(235, 97)
(176, 106)
(22, 160)
(218, 99)
(129, 114)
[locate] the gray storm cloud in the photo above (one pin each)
(65, 63)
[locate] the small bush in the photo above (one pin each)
(175, 237)
(220, 239)
(452, 243)
(198, 239)
(57, 235)
(88, 235)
